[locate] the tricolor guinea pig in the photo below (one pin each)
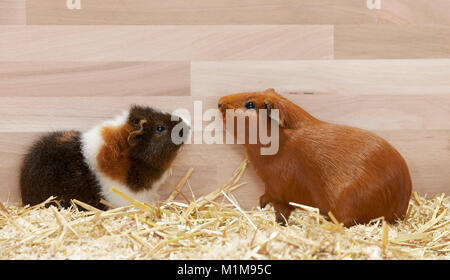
(132, 153)
(353, 173)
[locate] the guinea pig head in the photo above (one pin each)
(288, 112)
(135, 150)
(155, 136)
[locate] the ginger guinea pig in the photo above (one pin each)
(131, 153)
(353, 173)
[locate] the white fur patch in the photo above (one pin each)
(147, 196)
(91, 143)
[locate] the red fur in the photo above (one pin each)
(353, 173)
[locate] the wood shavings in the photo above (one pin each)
(206, 229)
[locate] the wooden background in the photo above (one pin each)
(385, 70)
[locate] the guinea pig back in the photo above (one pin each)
(353, 173)
(55, 166)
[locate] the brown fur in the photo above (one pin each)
(353, 173)
(67, 136)
(113, 158)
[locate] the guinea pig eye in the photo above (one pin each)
(250, 105)
(160, 128)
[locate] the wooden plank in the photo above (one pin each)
(379, 77)
(94, 79)
(201, 12)
(374, 112)
(39, 114)
(391, 41)
(165, 43)
(12, 12)
(427, 153)
(156, 12)
(380, 112)
(414, 12)
(12, 149)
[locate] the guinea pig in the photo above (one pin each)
(132, 153)
(350, 172)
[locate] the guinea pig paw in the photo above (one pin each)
(263, 201)
(280, 219)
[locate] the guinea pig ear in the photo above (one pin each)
(284, 119)
(134, 133)
(270, 91)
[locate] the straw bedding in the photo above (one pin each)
(215, 227)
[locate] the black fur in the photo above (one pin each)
(54, 167)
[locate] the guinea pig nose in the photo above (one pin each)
(219, 105)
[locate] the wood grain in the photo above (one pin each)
(427, 153)
(40, 114)
(201, 12)
(414, 12)
(12, 12)
(391, 41)
(12, 149)
(374, 112)
(237, 12)
(94, 79)
(165, 43)
(408, 77)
